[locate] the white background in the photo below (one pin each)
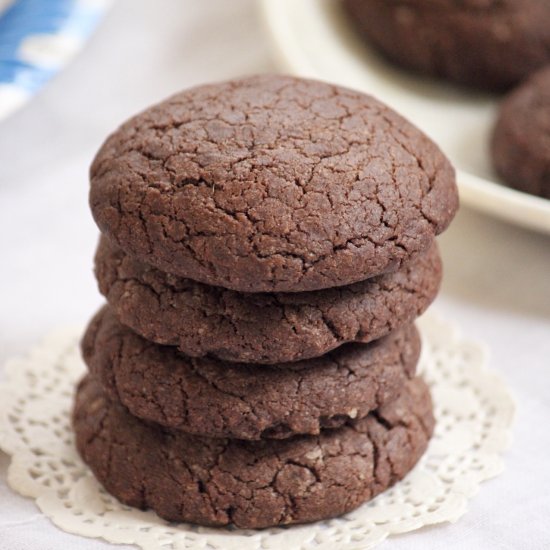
(497, 277)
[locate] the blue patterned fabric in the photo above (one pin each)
(26, 18)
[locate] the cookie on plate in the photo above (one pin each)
(520, 146)
(490, 44)
(262, 328)
(214, 398)
(272, 184)
(250, 484)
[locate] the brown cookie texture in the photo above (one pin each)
(262, 328)
(250, 484)
(220, 399)
(488, 44)
(520, 146)
(272, 184)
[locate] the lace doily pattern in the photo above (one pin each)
(473, 408)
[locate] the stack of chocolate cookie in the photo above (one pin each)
(267, 244)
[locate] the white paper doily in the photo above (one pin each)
(473, 408)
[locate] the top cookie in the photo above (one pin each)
(272, 183)
(490, 44)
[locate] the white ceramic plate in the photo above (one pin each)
(312, 38)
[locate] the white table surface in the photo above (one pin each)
(497, 277)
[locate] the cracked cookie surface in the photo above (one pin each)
(250, 484)
(520, 146)
(272, 184)
(491, 44)
(262, 328)
(220, 399)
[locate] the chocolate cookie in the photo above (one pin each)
(261, 328)
(219, 399)
(250, 484)
(491, 44)
(272, 183)
(520, 147)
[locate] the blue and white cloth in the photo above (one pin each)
(37, 38)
